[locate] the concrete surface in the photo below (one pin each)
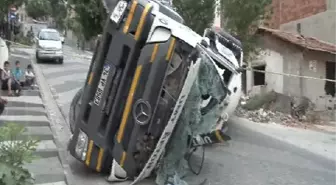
(28, 110)
(320, 143)
(252, 157)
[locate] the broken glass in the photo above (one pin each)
(192, 122)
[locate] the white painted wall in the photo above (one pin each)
(3, 53)
(274, 63)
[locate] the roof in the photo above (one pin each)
(305, 42)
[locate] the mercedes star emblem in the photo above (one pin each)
(142, 112)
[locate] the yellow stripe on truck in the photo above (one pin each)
(171, 49)
(123, 158)
(129, 102)
(219, 136)
(155, 50)
(99, 160)
(89, 152)
(130, 17)
(142, 21)
(90, 78)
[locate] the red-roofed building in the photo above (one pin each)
(291, 53)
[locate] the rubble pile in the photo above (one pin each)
(269, 114)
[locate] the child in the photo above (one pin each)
(8, 82)
(17, 73)
(30, 77)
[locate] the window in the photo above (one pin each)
(49, 35)
(330, 87)
(259, 77)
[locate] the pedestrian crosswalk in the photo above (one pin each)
(28, 110)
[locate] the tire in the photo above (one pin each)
(38, 60)
(61, 61)
(74, 109)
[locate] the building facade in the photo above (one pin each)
(288, 55)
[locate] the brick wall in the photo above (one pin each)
(285, 11)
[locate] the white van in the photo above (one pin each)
(49, 46)
(3, 52)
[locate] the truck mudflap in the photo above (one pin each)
(109, 81)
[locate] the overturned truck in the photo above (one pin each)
(151, 80)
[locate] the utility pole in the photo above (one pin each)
(10, 16)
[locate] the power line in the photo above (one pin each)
(247, 69)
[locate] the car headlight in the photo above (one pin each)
(81, 145)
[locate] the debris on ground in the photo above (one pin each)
(273, 107)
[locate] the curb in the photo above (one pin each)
(58, 124)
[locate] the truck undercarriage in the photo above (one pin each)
(152, 83)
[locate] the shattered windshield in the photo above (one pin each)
(193, 121)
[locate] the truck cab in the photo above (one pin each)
(137, 78)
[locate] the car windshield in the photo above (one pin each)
(45, 35)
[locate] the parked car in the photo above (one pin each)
(49, 46)
(3, 52)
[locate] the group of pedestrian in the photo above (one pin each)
(14, 81)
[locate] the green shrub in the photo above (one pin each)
(24, 40)
(14, 153)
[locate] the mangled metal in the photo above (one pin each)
(193, 122)
(154, 91)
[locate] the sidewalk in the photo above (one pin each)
(318, 142)
(28, 110)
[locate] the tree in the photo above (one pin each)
(38, 8)
(90, 16)
(242, 19)
(197, 14)
(59, 13)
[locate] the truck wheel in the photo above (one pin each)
(74, 109)
(38, 60)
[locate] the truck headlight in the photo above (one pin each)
(81, 145)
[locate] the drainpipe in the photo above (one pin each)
(301, 64)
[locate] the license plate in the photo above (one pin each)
(118, 12)
(101, 85)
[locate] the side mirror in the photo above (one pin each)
(62, 42)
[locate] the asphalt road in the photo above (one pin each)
(250, 158)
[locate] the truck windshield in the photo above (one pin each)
(49, 36)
